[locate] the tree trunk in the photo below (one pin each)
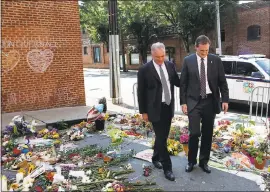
(186, 44)
(144, 55)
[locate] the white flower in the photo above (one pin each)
(74, 187)
(5, 143)
(109, 185)
(89, 172)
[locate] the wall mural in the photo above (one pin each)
(39, 57)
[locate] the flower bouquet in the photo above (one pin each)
(184, 141)
(174, 147)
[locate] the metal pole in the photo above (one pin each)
(218, 28)
(115, 90)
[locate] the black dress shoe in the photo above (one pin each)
(189, 167)
(205, 168)
(169, 175)
(157, 164)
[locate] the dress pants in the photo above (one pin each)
(162, 129)
(201, 123)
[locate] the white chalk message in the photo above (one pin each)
(39, 57)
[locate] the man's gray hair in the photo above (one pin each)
(157, 45)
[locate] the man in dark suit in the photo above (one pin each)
(202, 79)
(156, 81)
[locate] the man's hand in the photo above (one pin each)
(145, 117)
(184, 109)
(225, 107)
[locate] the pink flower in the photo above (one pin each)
(184, 138)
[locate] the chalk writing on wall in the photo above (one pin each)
(10, 60)
(29, 43)
(39, 60)
(59, 94)
(39, 57)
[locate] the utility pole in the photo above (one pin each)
(219, 48)
(115, 90)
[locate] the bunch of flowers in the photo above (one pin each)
(19, 126)
(48, 134)
(184, 138)
(174, 147)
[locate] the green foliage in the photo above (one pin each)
(141, 19)
(94, 18)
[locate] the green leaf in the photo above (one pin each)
(252, 123)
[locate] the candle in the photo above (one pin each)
(4, 183)
(19, 177)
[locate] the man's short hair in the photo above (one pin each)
(202, 39)
(157, 45)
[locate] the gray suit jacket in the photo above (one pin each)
(190, 82)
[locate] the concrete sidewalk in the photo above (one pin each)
(48, 116)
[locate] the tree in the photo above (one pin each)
(94, 18)
(192, 18)
(189, 17)
(140, 20)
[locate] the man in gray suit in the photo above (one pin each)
(202, 79)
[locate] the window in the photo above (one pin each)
(253, 32)
(228, 67)
(85, 51)
(265, 65)
(97, 54)
(222, 33)
(134, 59)
(245, 69)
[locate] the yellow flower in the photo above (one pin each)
(14, 186)
(22, 170)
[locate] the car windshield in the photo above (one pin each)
(265, 65)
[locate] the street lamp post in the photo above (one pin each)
(115, 90)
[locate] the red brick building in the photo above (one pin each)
(42, 63)
(249, 33)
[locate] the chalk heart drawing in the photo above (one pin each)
(10, 60)
(39, 60)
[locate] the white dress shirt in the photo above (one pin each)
(166, 77)
(199, 59)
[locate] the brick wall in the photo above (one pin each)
(236, 35)
(41, 55)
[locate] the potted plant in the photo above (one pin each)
(184, 141)
(260, 159)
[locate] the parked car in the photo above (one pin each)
(244, 73)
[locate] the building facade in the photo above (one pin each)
(250, 33)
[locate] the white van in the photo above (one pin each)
(244, 73)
